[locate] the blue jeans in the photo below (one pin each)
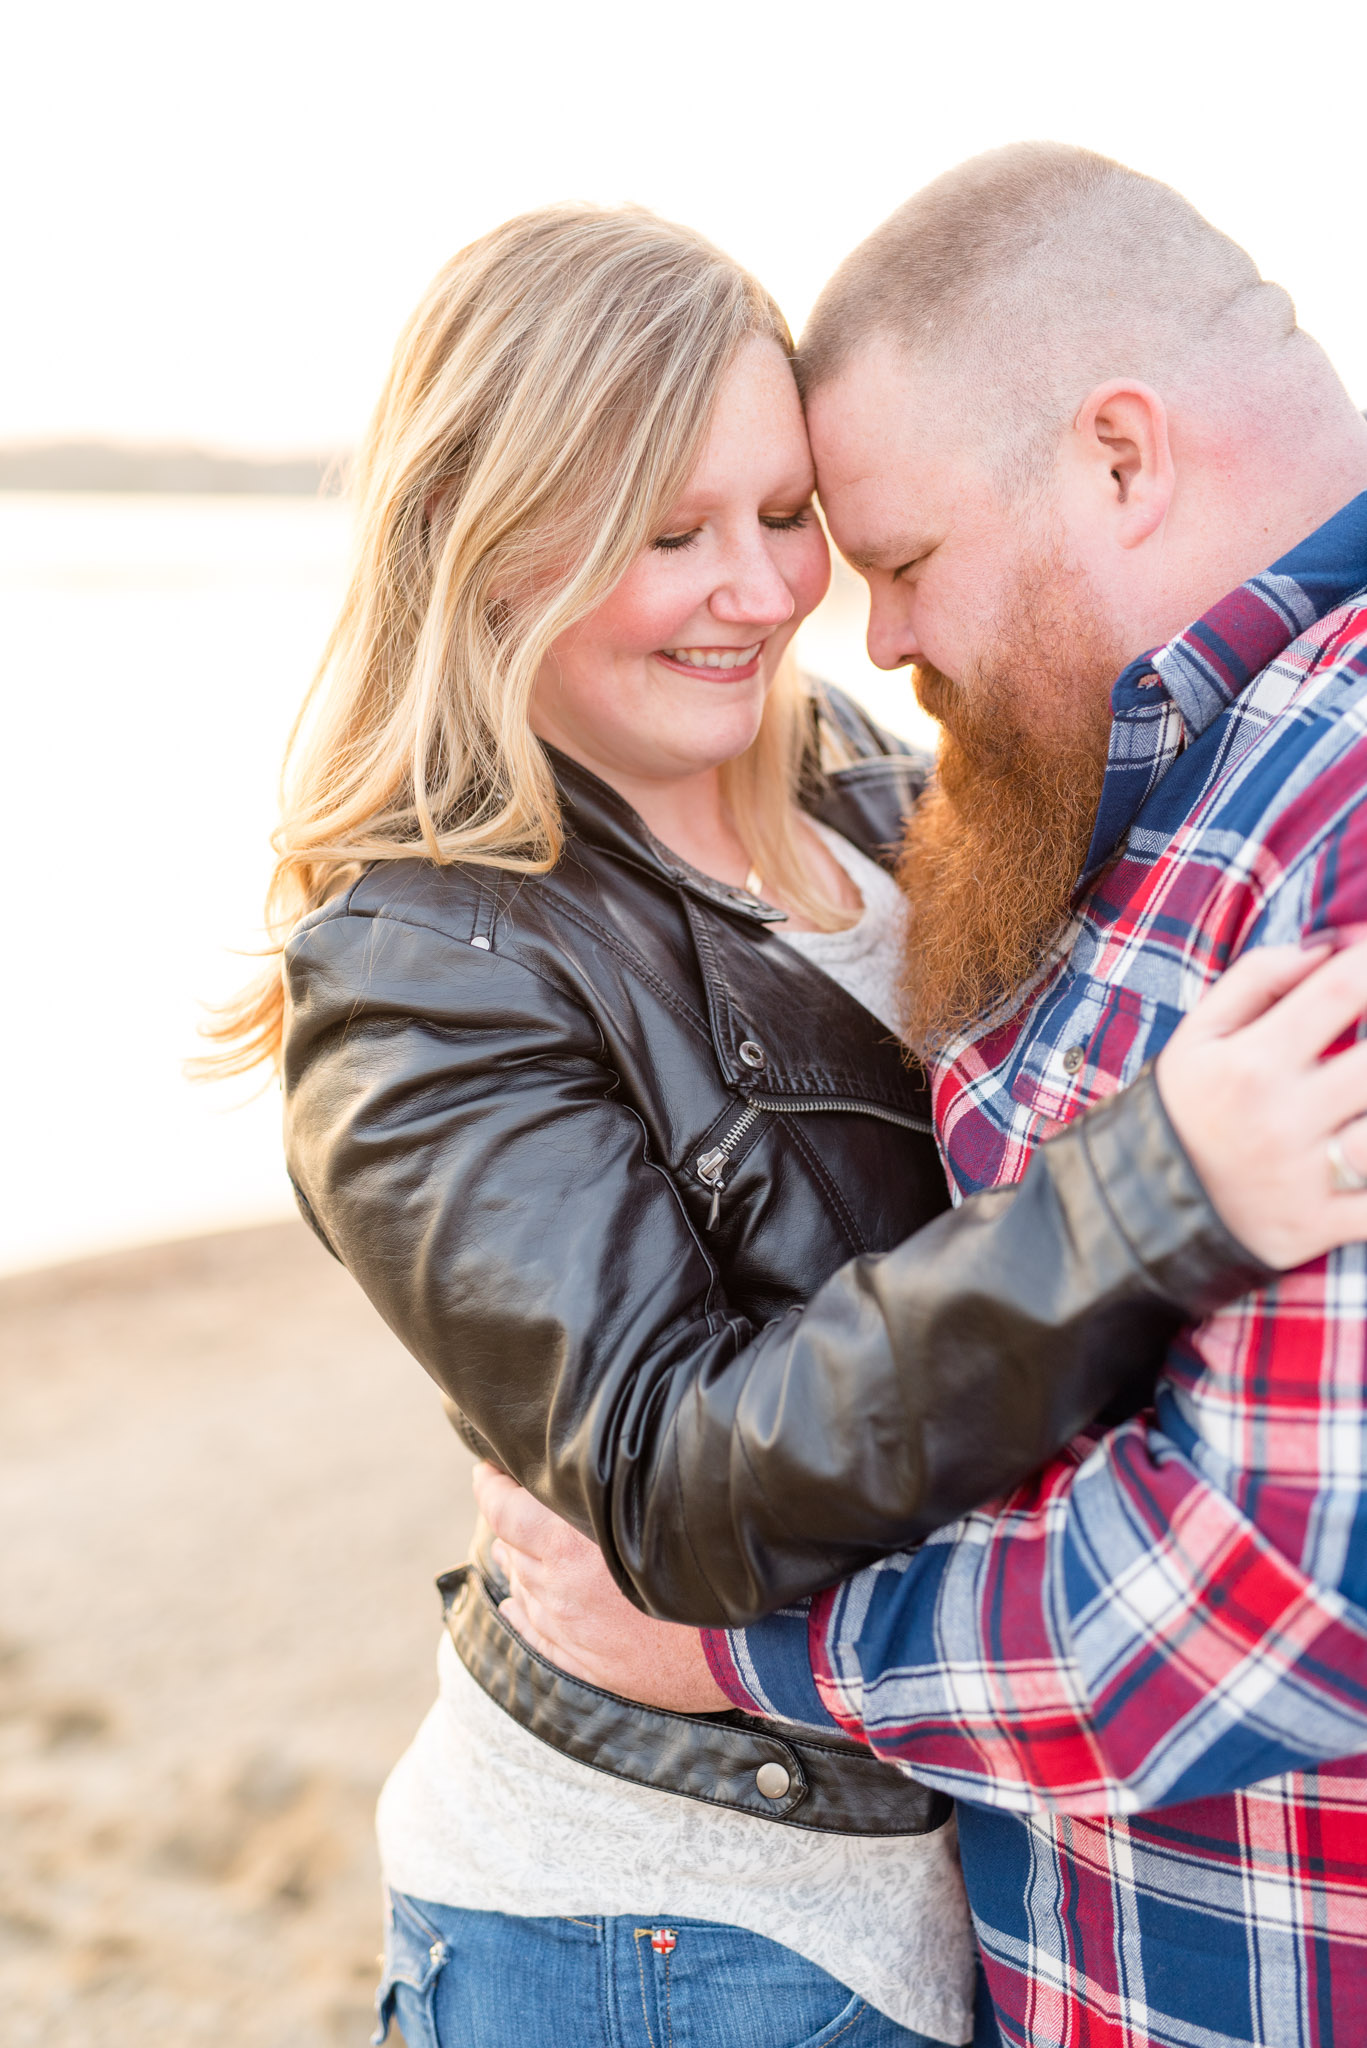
(457, 1979)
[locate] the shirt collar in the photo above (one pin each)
(1169, 697)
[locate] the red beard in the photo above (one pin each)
(994, 848)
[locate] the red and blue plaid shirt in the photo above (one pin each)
(1145, 1674)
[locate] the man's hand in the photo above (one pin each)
(1255, 1101)
(565, 1604)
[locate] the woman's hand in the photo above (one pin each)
(1255, 1102)
(566, 1605)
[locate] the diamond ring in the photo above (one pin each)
(1343, 1174)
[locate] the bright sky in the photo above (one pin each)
(217, 218)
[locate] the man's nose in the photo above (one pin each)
(752, 592)
(891, 641)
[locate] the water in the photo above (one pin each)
(154, 652)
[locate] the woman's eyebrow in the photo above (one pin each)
(792, 490)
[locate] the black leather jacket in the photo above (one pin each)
(657, 1205)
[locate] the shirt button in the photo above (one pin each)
(752, 1054)
(1073, 1058)
(773, 1781)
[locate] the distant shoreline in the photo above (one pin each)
(114, 466)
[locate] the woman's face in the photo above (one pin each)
(667, 678)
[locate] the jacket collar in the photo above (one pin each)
(605, 819)
(867, 801)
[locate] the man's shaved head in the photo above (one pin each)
(1026, 277)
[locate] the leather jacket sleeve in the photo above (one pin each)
(456, 1138)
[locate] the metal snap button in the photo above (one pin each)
(480, 945)
(773, 1781)
(1073, 1058)
(753, 1055)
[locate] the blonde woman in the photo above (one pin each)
(589, 1032)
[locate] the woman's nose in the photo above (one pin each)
(752, 592)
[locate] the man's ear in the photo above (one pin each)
(1122, 440)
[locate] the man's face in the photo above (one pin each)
(911, 505)
(1014, 652)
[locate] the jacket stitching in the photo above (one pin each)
(817, 1168)
(670, 997)
(714, 979)
(683, 1511)
(295, 945)
(1102, 1198)
(707, 1313)
(486, 912)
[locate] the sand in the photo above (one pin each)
(224, 1492)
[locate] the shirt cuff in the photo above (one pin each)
(767, 1668)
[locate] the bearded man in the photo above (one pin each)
(1057, 418)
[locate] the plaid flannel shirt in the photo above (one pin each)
(1144, 1675)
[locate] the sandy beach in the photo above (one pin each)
(224, 1492)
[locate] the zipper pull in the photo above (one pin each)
(709, 1173)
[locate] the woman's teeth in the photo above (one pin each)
(714, 657)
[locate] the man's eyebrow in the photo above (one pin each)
(904, 548)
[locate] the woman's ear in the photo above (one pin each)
(1121, 439)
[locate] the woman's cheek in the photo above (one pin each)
(813, 573)
(646, 612)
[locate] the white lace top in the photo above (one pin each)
(479, 1813)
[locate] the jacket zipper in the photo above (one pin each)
(712, 1165)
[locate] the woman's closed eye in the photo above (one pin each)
(787, 522)
(775, 522)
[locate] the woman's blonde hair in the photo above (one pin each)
(547, 403)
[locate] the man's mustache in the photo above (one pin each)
(934, 691)
(975, 718)
(953, 704)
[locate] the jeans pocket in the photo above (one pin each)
(835, 2029)
(415, 1954)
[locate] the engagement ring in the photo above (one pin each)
(1343, 1174)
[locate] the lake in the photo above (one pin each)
(155, 651)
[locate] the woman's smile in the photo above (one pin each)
(738, 664)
